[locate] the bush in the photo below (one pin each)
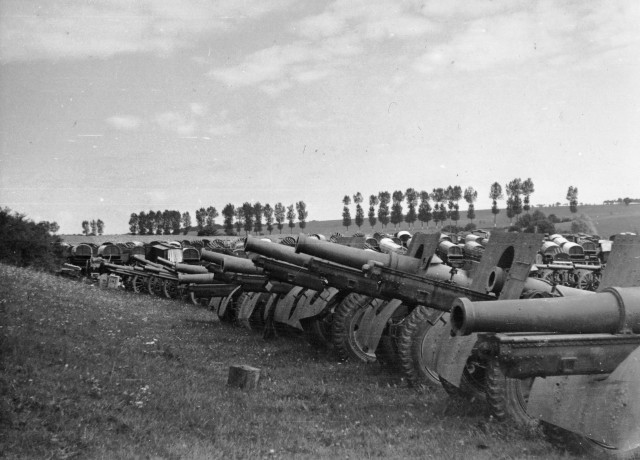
(470, 227)
(25, 243)
(535, 222)
(553, 219)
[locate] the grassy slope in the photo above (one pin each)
(89, 373)
(608, 220)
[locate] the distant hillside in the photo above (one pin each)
(607, 219)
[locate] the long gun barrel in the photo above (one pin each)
(199, 278)
(231, 263)
(288, 273)
(354, 257)
(614, 310)
(276, 251)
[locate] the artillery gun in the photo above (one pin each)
(422, 288)
(572, 363)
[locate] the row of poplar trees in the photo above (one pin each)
(92, 227)
(445, 205)
(247, 217)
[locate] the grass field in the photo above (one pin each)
(90, 373)
(607, 220)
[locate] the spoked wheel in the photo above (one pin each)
(507, 397)
(170, 289)
(578, 444)
(589, 281)
(154, 286)
(416, 347)
(139, 284)
(345, 327)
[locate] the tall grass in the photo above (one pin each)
(89, 373)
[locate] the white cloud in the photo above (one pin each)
(77, 29)
(225, 129)
(124, 122)
(173, 121)
(291, 118)
(198, 109)
(547, 32)
(265, 65)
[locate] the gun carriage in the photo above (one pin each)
(572, 363)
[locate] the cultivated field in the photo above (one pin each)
(89, 373)
(607, 220)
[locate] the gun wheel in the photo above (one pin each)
(154, 285)
(416, 347)
(589, 281)
(507, 397)
(138, 284)
(345, 327)
(581, 445)
(170, 289)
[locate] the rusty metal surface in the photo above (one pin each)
(623, 264)
(603, 409)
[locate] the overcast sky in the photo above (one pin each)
(110, 107)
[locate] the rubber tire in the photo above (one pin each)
(413, 332)
(581, 445)
(507, 398)
(345, 324)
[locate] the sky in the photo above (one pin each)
(109, 107)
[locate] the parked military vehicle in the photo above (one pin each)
(572, 363)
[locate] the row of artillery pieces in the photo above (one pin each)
(481, 318)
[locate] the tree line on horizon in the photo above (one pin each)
(446, 205)
(248, 217)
